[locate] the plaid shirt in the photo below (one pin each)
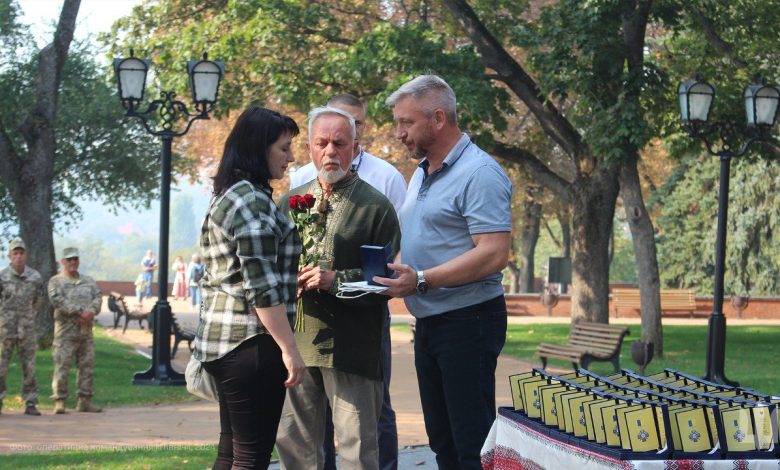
(250, 251)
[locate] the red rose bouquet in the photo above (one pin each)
(311, 227)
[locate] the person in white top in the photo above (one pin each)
(380, 174)
(385, 178)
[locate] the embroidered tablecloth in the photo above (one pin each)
(511, 445)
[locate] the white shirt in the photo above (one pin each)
(383, 176)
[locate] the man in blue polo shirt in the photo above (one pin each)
(455, 237)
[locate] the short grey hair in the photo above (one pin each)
(318, 112)
(431, 87)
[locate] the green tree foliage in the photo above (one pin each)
(687, 223)
(98, 155)
(301, 52)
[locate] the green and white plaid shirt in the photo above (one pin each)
(250, 251)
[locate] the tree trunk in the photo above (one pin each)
(36, 229)
(643, 236)
(592, 208)
(514, 271)
(563, 219)
(35, 222)
(529, 235)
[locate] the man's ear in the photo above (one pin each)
(355, 149)
(439, 118)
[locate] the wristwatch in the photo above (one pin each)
(422, 284)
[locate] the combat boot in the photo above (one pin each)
(85, 405)
(31, 410)
(59, 407)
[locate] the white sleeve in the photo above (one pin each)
(396, 190)
(302, 175)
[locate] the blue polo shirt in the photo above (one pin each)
(468, 195)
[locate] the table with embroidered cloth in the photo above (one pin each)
(516, 442)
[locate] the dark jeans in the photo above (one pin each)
(455, 354)
(250, 380)
(387, 432)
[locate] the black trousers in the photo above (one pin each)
(250, 380)
(455, 354)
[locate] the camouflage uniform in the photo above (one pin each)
(21, 296)
(70, 297)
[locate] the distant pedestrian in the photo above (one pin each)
(76, 300)
(149, 265)
(179, 270)
(21, 295)
(195, 272)
(140, 290)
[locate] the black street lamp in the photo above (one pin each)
(205, 76)
(761, 102)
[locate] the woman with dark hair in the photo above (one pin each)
(250, 251)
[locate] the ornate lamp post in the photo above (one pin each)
(158, 119)
(761, 103)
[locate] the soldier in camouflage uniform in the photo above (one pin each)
(21, 294)
(76, 300)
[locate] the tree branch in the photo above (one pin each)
(552, 235)
(538, 170)
(50, 63)
(708, 28)
(494, 56)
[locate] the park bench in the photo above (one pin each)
(180, 334)
(672, 300)
(588, 342)
(117, 305)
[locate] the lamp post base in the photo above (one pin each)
(160, 376)
(160, 372)
(716, 351)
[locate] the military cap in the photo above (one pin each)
(17, 243)
(70, 252)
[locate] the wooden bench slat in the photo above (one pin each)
(672, 300)
(587, 342)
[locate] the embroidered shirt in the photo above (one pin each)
(346, 334)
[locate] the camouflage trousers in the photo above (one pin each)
(25, 348)
(63, 352)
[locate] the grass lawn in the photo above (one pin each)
(115, 364)
(158, 458)
(752, 352)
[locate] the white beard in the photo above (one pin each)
(333, 176)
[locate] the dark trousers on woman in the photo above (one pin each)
(250, 381)
(455, 354)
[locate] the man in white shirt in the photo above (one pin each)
(385, 178)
